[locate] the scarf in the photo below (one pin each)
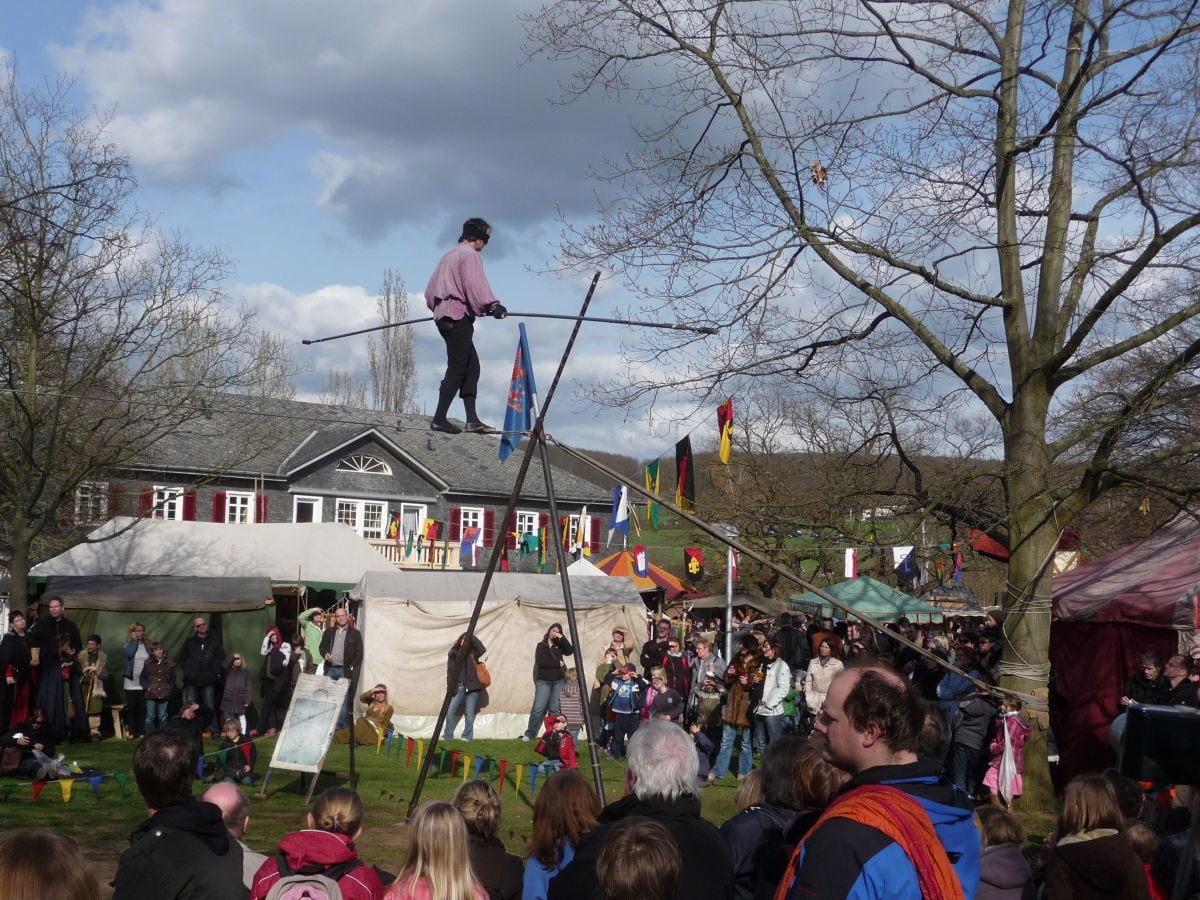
(894, 813)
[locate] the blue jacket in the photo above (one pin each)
(844, 858)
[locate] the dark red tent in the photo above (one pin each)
(1106, 613)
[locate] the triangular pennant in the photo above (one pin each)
(222, 756)
(503, 776)
(38, 787)
(478, 765)
(453, 762)
(8, 789)
(420, 752)
(466, 767)
(408, 758)
(520, 770)
(533, 773)
(121, 778)
(94, 781)
(65, 786)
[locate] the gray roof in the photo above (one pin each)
(255, 438)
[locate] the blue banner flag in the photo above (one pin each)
(522, 396)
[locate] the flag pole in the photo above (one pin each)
(729, 602)
(493, 563)
(672, 326)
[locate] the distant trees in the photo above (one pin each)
(112, 334)
(390, 352)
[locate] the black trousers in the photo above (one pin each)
(462, 362)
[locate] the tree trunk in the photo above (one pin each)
(1033, 538)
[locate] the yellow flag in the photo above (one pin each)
(725, 426)
(65, 786)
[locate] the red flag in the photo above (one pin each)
(641, 566)
(725, 427)
(733, 563)
(693, 562)
(503, 775)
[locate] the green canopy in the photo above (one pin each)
(870, 598)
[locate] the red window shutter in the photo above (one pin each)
(189, 506)
(219, 506)
(510, 537)
(260, 507)
(116, 494)
(456, 523)
(543, 521)
(488, 538)
(146, 501)
(594, 543)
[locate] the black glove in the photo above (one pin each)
(498, 311)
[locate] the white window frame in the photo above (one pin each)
(358, 514)
(91, 502)
(527, 521)
(412, 519)
(573, 530)
(364, 464)
(168, 503)
(470, 517)
(239, 507)
(317, 503)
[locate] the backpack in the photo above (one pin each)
(309, 882)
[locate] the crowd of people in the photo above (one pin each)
(864, 769)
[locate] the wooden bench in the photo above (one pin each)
(118, 728)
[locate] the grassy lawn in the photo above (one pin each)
(103, 823)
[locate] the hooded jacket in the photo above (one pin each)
(1103, 866)
(1004, 874)
(182, 852)
(324, 849)
(852, 859)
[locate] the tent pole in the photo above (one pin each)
(568, 601)
(494, 558)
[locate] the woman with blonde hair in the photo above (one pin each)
(372, 726)
(437, 865)
(1091, 858)
(499, 871)
(326, 847)
(566, 808)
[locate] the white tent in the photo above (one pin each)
(411, 619)
(122, 554)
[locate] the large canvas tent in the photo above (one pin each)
(163, 573)
(869, 597)
(1106, 613)
(656, 581)
(411, 619)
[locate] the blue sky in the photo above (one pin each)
(320, 144)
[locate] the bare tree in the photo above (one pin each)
(112, 335)
(390, 352)
(273, 371)
(988, 210)
(342, 389)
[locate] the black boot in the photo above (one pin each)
(439, 421)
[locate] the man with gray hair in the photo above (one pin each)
(660, 773)
(235, 813)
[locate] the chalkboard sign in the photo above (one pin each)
(310, 723)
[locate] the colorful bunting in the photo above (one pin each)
(478, 765)
(38, 787)
(503, 777)
(65, 786)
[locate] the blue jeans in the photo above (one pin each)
(456, 702)
(337, 673)
(545, 702)
(729, 735)
(156, 715)
(207, 695)
(768, 729)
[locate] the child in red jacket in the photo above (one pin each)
(557, 745)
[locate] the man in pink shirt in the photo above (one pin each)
(457, 293)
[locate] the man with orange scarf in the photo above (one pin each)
(895, 830)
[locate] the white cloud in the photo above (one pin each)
(415, 108)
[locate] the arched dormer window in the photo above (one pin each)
(367, 465)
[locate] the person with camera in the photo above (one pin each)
(458, 292)
(549, 670)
